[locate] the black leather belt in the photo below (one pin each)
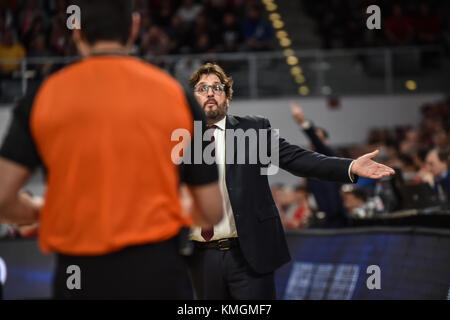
(222, 244)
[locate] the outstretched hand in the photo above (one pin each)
(364, 166)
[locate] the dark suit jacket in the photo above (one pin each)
(258, 224)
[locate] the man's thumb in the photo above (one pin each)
(374, 154)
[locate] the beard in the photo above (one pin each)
(218, 113)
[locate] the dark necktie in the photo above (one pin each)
(207, 234)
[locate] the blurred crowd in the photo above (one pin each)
(36, 28)
(342, 23)
(420, 156)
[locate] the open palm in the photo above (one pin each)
(364, 166)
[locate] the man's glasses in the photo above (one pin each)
(217, 88)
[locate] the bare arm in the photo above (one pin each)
(16, 207)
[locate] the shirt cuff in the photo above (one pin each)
(306, 125)
(350, 175)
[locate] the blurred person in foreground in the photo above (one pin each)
(237, 258)
(326, 194)
(101, 129)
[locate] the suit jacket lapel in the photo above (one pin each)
(231, 123)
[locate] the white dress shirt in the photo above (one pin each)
(226, 228)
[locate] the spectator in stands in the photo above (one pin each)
(178, 35)
(410, 141)
(32, 11)
(155, 42)
(299, 212)
(408, 167)
(205, 35)
(38, 48)
(332, 22)
(141, 6)
(282, 198)
(201, 25)
(231, 33)
(59, 38)
(28, 231)
(60, 14)
(354, 201)
(36, 29)
(427, 26)
(146, 24)
(428, 32)
(10, 48)
(217, 9)
(354, 29)
(7, 12)
(398, 27)
(326, 194)
(441, 138)
(164, 13)
(257, 31)
(435, 118)
(438, 176)
(36, 17)
(203, 44)
(6, 231)
(189, 11)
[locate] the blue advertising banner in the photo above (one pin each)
(367, 263)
